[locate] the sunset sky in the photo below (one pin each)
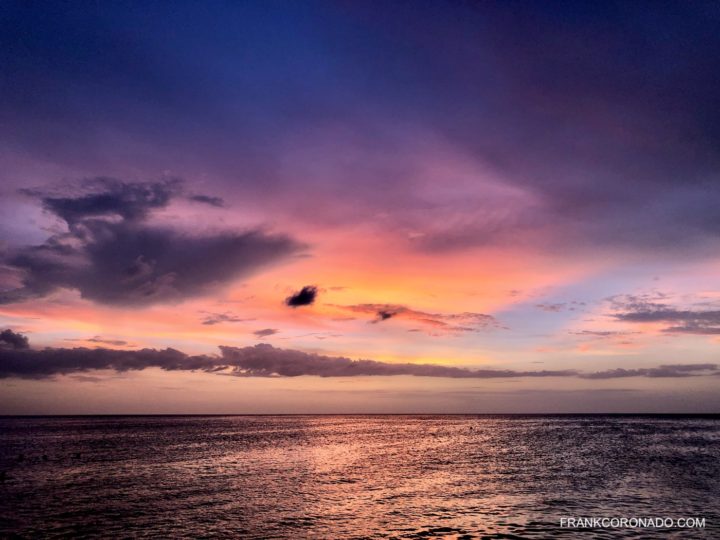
(499, 206)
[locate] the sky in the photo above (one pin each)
(349, 207)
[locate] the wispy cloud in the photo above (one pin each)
(439, 322)
(103, 341)
(560, 306)
(226, 317)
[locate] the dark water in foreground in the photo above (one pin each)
(355, 476)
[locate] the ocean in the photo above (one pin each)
(341, 477)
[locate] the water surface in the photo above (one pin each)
(354, 476)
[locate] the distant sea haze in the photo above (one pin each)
(359, 476)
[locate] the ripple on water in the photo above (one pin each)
(354, 476)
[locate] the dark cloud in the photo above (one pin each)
(113, 254)
(13, 340)
(206, 199)
(38, 364)
(676, 370)
(641, 309)
(217, 318)
(264, 360)
(104, 197)
(668, 314)
(304, 297)
(265, 332)
(697, 328)
(437, 322)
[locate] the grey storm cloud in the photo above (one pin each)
(441, 322)
(264, 360)
(13, 340)
(113, 254)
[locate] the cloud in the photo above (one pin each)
(671, 315)
(113, 254)
(601, 333)
(217, 202)
(551, 308)
(304, 297)
(561, 306)
(265, 332)
(642, 309)
(217, 318)
(13, 340)
(38, 364)
(697, 328)
(104, 197)
(384, 315)
(103, 341)
(675, 370)
(264, 360)
(438, 322)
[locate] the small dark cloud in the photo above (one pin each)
(265, 332)
(206, 199)
(304, 297)
(226, 317)
(112, 254)
(13, 340)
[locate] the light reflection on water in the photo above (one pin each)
(354, 476)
